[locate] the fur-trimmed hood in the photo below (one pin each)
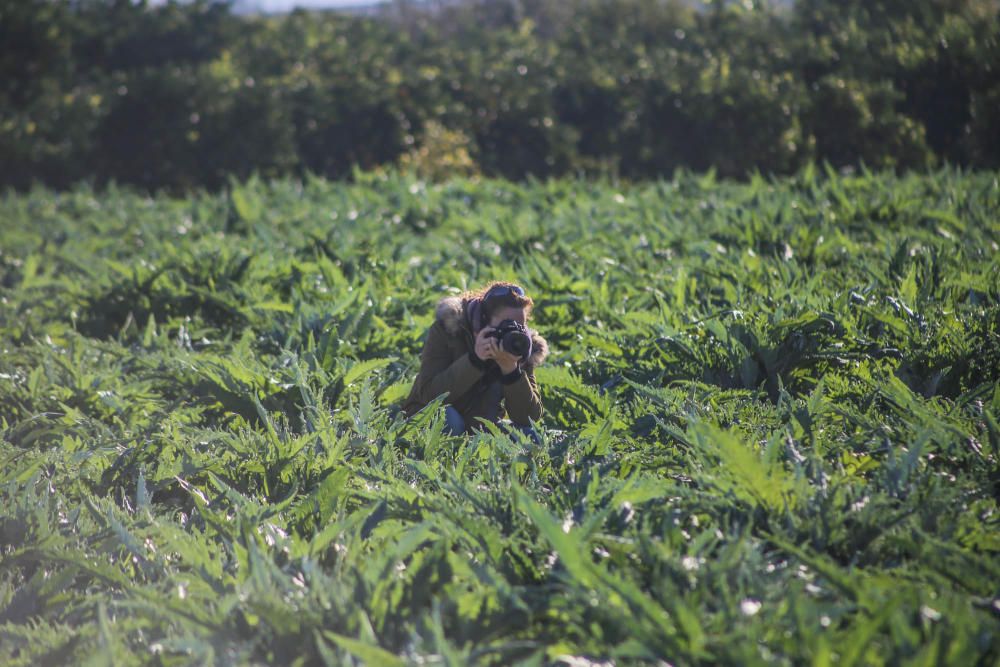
(450, 313)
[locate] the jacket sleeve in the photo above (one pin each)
(439, 374)
(521, 399)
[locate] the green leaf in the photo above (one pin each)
(365, 368)
(369, 654)
(908, 289)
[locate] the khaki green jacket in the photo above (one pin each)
(474, 388)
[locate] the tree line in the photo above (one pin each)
(190, 95)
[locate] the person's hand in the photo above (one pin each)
(487, 348)
(486, 345)
(505, 360)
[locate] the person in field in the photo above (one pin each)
(480, 354)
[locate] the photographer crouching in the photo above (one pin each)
(480, 353)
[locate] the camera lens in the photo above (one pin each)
(516, 343)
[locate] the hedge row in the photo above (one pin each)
(189, 95)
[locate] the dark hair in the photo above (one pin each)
(494, 297)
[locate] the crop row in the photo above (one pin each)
(771, 429)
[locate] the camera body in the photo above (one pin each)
(513, 337)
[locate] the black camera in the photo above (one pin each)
(513, 338)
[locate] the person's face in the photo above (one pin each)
(508, 313)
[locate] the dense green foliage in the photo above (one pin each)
(184, 96)
(771, 431)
